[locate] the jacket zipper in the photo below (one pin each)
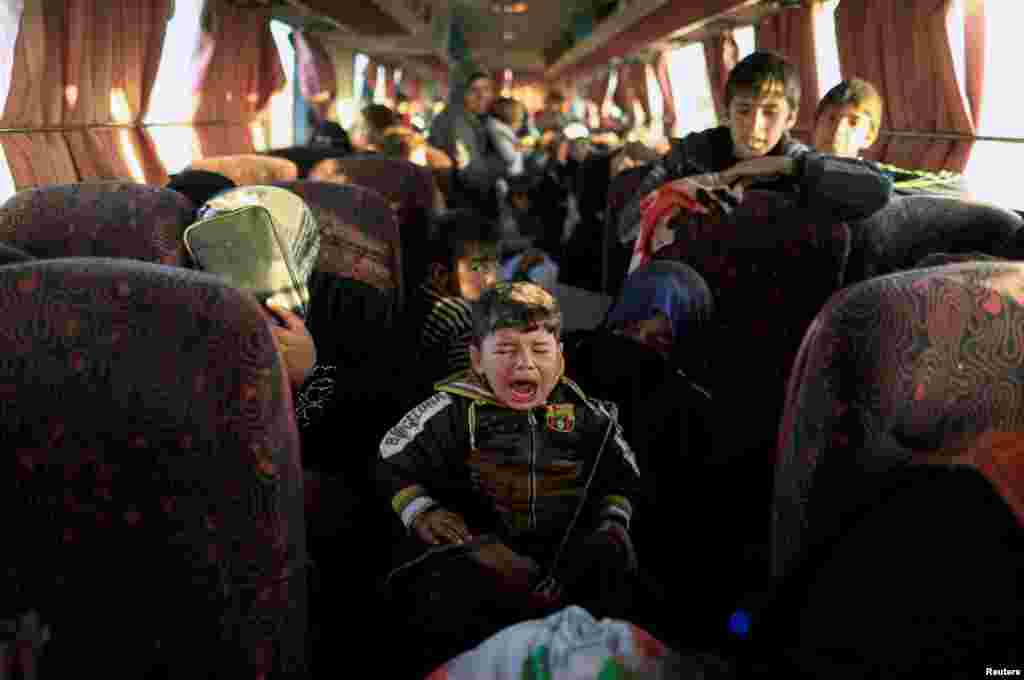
(533, 463)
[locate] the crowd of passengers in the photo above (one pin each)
(534, 469)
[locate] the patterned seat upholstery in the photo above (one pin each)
(152, 462)
(909, 228)
(770, 268)
(249, 168)
(359, 237)
(98, 219)
(408, 188)
(908, 368)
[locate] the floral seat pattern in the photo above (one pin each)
(153, 463)
(407, 187)
(910, 368)
(98, 219)
(359, 237)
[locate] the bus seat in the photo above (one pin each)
(153, 468)
(909, 228)
(359, 236)
(305, 158)
(409, 189)
(249, 168)
(770, 269)
(905, 368)
(924, 580)
(98, 219)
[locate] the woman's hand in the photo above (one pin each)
(297, 348)
(440, 526)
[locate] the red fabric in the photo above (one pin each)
(318, 81)
(658, 205)
(721, 54)
(791, 34)
(883, 42)
(633, 88)
(237, 70)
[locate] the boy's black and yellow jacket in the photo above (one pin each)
(513, 472)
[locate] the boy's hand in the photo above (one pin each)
(297, 348)
(439, 526)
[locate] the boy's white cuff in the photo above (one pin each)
(416, 508)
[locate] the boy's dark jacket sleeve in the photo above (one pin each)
(415, 455)
(839, 189)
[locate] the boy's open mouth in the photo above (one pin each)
(523, 390)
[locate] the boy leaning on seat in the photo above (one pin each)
(755, 149)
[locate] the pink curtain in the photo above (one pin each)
(318, 81)
(790, 32)
(238, 71)
(882, 42)
(633, 88)
(665, 85)
(77, 98)
(721, 54)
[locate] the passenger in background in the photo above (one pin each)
(553, 117)
(199, 186)
(369, 131)
(329, 135)
(755, 149)
(462, 262)
(848, 120)
(507, 116)
(461, 132)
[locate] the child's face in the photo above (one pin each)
(474, 273)
(522, 365)
(844, 131)
(757, 121)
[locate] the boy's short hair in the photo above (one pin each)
(762, 71)
(507, 110)
(857, 92)
(459, 233)
(520, 304)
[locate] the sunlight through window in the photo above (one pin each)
(282, 103)
(695, 110)
(745, 40)
(991, 171)
(172, 103)
(826, 46)
(121, 112)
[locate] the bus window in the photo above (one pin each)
(826, 46)
(10, 17)
(687, 70)
(993, 165)
(745, 40)
(281, 109)
(360, 64)
(169, 113)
